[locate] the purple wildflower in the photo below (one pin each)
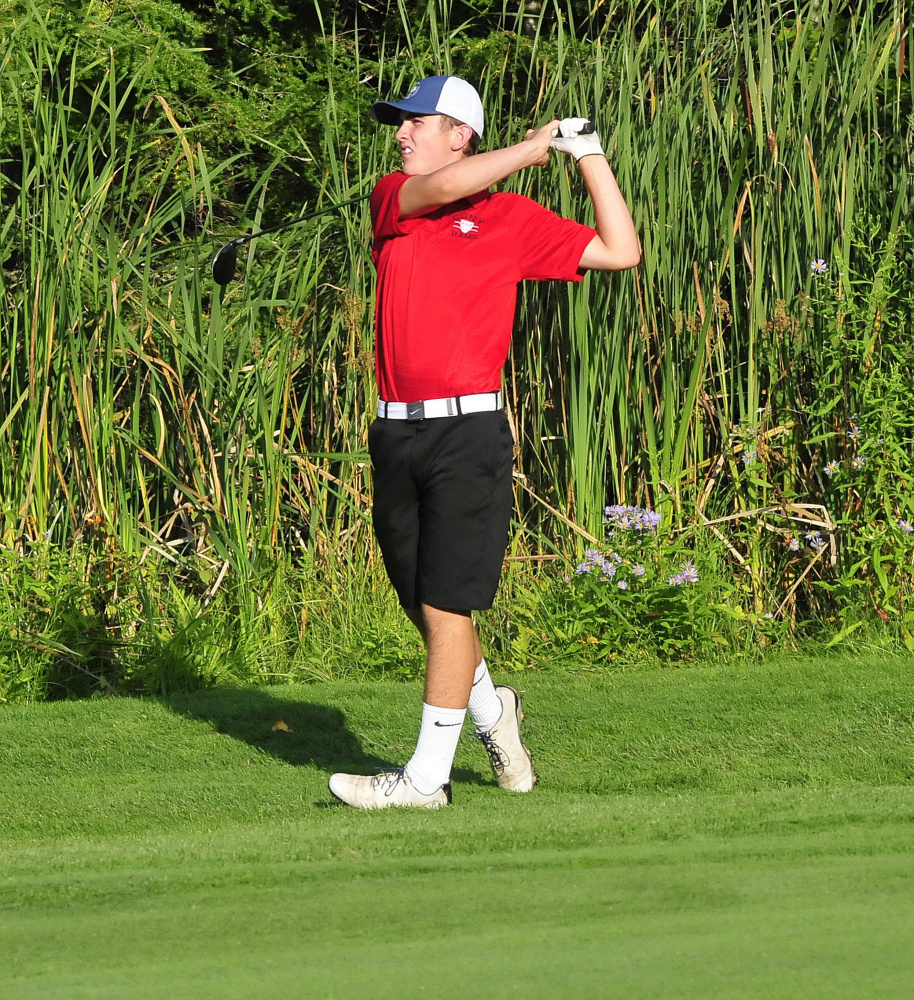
(592, 559)
(687, 574)
(816, 541)
(621, 517)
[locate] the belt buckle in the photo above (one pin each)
(415, 411)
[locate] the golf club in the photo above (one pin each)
(226, 259)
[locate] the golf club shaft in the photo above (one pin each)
(241, 240)
(225, 261)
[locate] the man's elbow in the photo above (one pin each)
(627, 253)
(632, 260)
(599, 257)
(446, 187)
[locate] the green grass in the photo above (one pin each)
(717, 832)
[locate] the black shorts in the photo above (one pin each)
(442, 506)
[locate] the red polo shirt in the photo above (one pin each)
(447, 286)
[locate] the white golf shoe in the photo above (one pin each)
(510, 759)
(389, 788)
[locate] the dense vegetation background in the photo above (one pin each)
(184, 496)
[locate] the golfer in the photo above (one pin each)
(449, 255)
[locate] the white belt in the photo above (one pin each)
(452, 406)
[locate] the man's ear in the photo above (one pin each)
(460, 137)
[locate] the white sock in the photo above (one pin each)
(430, 766)
(485, 705)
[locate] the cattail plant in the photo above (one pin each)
(209, 435)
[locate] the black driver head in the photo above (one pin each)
(225, 262)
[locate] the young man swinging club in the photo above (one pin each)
(449, 256)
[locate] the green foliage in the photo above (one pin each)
(53, 633)
(157, 44)
(649, 593)
(74, 623)
(823, 470)
(77, 624)
(210, 443)
(863, 458)
(645, 598)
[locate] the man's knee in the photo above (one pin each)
(433, 611)
(447, 624)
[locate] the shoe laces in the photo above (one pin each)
(387, 781)
(499, 759)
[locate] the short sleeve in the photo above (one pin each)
(551, 246)
(385, 209)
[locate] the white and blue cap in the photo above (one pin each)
(435, 95)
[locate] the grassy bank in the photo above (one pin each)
(722, 832)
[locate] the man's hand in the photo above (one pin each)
(567, 140)
(541, 140)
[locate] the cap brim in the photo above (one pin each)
(386, 114)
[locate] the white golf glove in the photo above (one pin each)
(568, 139)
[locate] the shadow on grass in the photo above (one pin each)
(315, 734)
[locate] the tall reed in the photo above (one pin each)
(744, 156)
(136, 394)
(153, 416)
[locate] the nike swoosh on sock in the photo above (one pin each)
(447, 725)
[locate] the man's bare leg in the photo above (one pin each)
(455, 679)
(451, 645)
(454, 651)
(454, 663)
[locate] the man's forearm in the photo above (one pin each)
(617, 246)
(424, 192)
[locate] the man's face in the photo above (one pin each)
(425, 145)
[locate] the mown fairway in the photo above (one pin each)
(713, 832)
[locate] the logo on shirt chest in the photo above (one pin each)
(466, 226)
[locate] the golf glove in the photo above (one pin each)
(567, 139)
